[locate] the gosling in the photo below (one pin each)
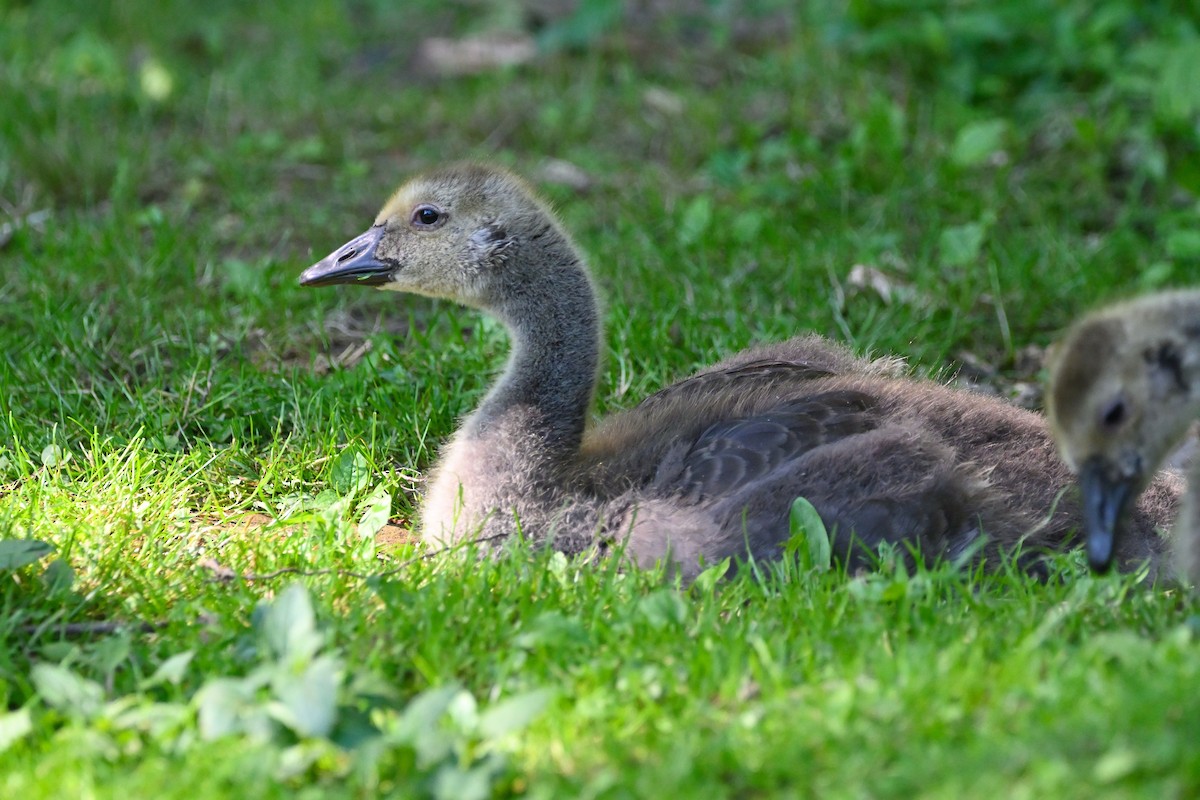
(1124, 387)
(708, 468)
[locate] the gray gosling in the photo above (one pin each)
(1124, 388)
(707, 468)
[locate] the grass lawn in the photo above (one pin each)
(208, 475)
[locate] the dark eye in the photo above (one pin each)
(1114, 413)
(427, 216)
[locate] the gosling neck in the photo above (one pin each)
(554, 323)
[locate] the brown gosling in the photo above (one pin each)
(707, 468)
(1124, 388)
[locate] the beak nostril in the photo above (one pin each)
(350, 253)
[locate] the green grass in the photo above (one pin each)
(162, 377)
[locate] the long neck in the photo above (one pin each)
(542, 399)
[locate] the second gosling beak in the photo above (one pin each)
(1105, 495)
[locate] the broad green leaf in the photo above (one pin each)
(53, 455)
(289, 625)
(296, 761)
(977, 141)
(14, 726)
(350, 472)
(589, 20)
(550, 629)
(1177, 90)
(663, 608)
(110, 653)
(1114, 765)
(696, 219)
(895, 591)
(960, 245)
(1156, 275)
(66, 691)
(309, 699)
(155, 80)
(464, 711)
(559, 567)
(420, 726)
(156, 719)
(170, 671)
(513, 714)
(748, 225)
(425, 710)
(376, 510)
(455, 783)
(707, 580)
(59, 577)
(806, 525)
(218, 705)
(241, 278)
(17, 553)
(1184, 244)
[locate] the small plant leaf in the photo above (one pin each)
(157, 719)
(463, 710)
(376, 510)
(309, 700)
(170, 671)
(110, 653)
(453, 782)
(218, 705)
(420, 728)
(289, 625)
(590, 20)
(806, 525)
(59, 577)
(17, 553)
(977, 141)
(707, 580)
(663, 608)
(1156, 275)
(513, 714)
(424, 711)
(960, 245)
(1184, 244)
(696, 219)
(1177, 92)
(350, 473)
(1114, 765)
(67, 692)
(14, 726)
(53, 455)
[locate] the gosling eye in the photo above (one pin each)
(1114, 414)
(428, 217)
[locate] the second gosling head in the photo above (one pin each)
(1122, 391)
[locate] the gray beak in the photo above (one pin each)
(1104, 500)
(353, 262)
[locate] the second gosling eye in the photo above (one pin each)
(427, 217)
(1112, 415)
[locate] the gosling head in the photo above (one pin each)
(1122, 392)
(449, 234)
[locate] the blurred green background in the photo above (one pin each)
(948, 180)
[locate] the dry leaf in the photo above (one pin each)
(864, 277)
(564, 173)
(474, 54)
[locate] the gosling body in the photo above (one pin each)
(707, 468)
